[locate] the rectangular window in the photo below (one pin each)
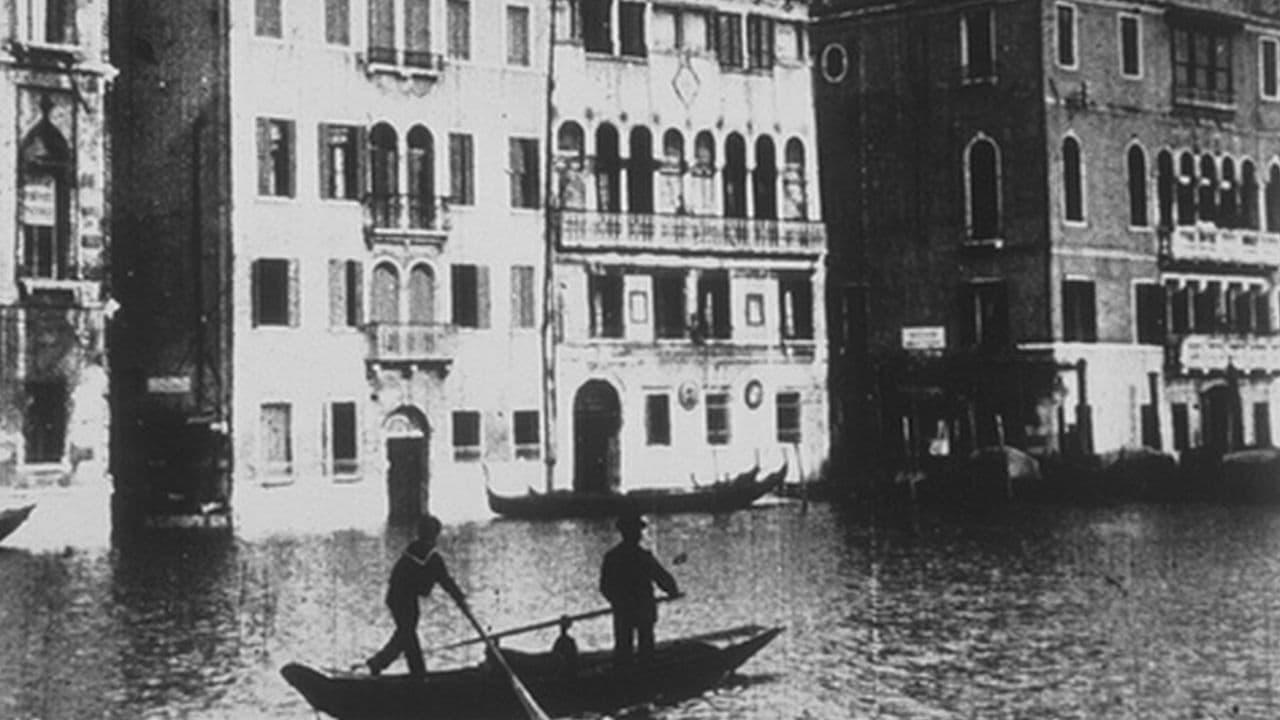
(717, 418)
(1262, 424)
(339, 161)
(523, 154)
(275, 284)
(525, 430)
(668, 305)
(1079, 311)
(713, 304)
(343, 446)
(462, 184)
(1202, 67)
(977, 44)
(1179, 308)
(796, 306)
(1130, 46)
(517, 35)
(268, 21)
(466, 435)
(382, 32)
(275, 157)
(1268, 52)
(986, 307)
(1261, 313)
(1067, 36)
(276, 423)
(1181, 426)
(761, 40)
(657, 419)
(345, 282)
(788, 417)
(597, 26)
(729, 40)
(1149, 309)
(522, 296)
(695, 31)
(52, 21)
(417, 24)
(605, 301)
(337, 22)
(470, 293)
(631, 29)
(755, 309)
(459, 20)
(665, 26)
(1150, 426)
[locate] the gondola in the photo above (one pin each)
(679, 669)
(724, 496)
(12, 518)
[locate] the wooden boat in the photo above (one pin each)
(679, 669)
(11, 518)
(724, 496)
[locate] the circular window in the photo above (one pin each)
(834, 62)
(754, 394)
(688, 395)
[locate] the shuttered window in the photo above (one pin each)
(470, 294)
(275, 292)
(345, 293)
(267, 18)
(275, 157)
(462, 188)
(337, 22)
(729, 40)
(523, 156)
(522, 296)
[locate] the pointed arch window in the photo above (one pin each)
(1137, 165)
(1207, 194)
(1249, 196)
(385, 305)
(422, 295)
(764, 185)
(422, 182)
(983, 164)
(44, 203)
(671, 198)
(608, 170)
(1186, 189)
(570, 144)
(640, 171)
(794, 200)
(1273, 199)
(1072, 181)
(702, 176)
(735, 176)
(1165, 184)
(384, 163)
(1228, 196)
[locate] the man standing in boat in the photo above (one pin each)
(419, 569)
(627, 577)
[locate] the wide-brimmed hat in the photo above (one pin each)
(631, 521)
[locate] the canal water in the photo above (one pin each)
(1019, 612)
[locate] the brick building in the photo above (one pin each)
(1053, 224)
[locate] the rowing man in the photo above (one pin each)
(627, 577)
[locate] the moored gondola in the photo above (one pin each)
(12, 518)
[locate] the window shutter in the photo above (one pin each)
(294, 292)
(482, 296)
(323, 132)
(255, 291)
(337, 293)
(515, 160)
(357, 293)
(264, 156)
(290, 135)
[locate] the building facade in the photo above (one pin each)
(54, 236)
(353, 281)
(1052, 225)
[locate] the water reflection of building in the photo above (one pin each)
(337, 248)
(53, 70)
(1061, 223)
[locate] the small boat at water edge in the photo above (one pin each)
(725, 496)
(12, 518)
(679, 669)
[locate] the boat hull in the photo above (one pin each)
(679, 669)
(12, 519)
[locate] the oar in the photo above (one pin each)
(530, 705)
(539, 626)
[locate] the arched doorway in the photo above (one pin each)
(597, 418)
(408, 483)
(1220, 418)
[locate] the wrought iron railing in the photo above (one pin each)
(401, 342)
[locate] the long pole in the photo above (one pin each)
(531, 707)
(550, 311)
(541, 625)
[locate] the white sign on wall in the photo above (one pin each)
(924, 337)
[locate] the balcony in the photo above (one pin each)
(1214, 100)
(409, 345)
(404, 62)
(590, 230)
(1208, 353)
(406, 220)
(1208, 244)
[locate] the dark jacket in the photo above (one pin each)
(627, 577)
(417, 571)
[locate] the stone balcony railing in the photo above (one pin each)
(1205, 353)
(400, 343)
(406, 220)
(1219, 245)
(591, 230)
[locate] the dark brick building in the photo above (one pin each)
(1052, 224)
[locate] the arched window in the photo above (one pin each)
(385, 305)
(44, 205)
(1228, 196)
(1273, 199)
(671, 198)
(570, 148)
(640, 171)
(984, 191)
(608, 169)
(702, 176)
(735, 176)
(1249, 196)
(422, 295)
(1186, 189)
(1137, 163)
(421, 200)
(384, 163)
(1165, 183)
(794, 200)
(764, 181)
(1207, 204)
(1072, 181)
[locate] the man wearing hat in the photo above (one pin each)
(627, 577)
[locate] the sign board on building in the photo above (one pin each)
(924, 338)
(38, 202)
(171, 385)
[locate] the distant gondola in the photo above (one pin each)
(725, 496)
(679, 669)
(11, 518)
